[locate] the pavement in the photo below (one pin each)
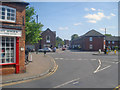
(38, 67)
(110, 53)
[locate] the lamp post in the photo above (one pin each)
(37, 18)
(105, 42)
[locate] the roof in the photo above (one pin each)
(111, 38)
(49, 30)
(16, 1)
(93, 33)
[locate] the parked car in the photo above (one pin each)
(45, 49)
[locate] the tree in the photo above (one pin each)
(108, 35)
(74, 36)
(33, 29)
(59, 41)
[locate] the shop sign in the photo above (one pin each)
(9, 32)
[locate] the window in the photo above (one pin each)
(7, 50)
(91, 46)
(90, 38)
(7, 14)
(113, 42)
(48, 39)
(108, 42)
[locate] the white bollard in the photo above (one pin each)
(99, 51)
(30, 58)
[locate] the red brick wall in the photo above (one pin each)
(85, 43)
(52, 38)
(20, 12)
(97, 43)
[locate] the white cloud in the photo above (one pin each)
(92, 21)
(97, 16)
(112, 14)
(63, 28)
(93, 9)
(76, 24)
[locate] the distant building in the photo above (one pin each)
(90, 41)
(48, 39)
(66, 43)
(112, 42)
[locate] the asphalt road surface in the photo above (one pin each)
(78, 70)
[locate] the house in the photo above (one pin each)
(66, 43)
(12, 37)
(48, 39)
(90, 41)
(112, 42)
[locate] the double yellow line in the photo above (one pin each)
(47, 75)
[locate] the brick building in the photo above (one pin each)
(66, 42)
(112, 42)
(90, 41)
(12, 37)
(48, 39)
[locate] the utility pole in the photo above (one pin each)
(105, 39)
(37, 18)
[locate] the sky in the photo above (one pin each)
(68, 18)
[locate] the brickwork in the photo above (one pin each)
(20, 13)
(83, 42)
(43, 42)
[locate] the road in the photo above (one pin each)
(78, 70)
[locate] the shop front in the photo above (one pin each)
(9, 49)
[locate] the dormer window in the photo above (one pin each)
(7, 14)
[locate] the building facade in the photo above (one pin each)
(90, 41)
(112, 42)
(66, 43)
(48, 39)
(12, 37)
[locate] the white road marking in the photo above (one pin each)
(109, 62)
(59, 58)
(98, 66)
(76, 82)
(93, 59)
(104, 68)
(66, 83)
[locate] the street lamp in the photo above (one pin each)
(37, 18)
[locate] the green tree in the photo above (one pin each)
(74, 36)
(108, 35)
(33, 29)
(59, 41)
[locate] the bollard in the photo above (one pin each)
(107, 51)
(115, 52)
(30, 58)
(99, 51)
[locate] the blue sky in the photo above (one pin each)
(68, 18)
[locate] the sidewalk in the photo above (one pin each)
(109, 54)
(40, 65)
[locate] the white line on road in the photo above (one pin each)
(59, 58)
(76, 82)
(66, 83)
(98, 66)
(93, 59)
(104, 68)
